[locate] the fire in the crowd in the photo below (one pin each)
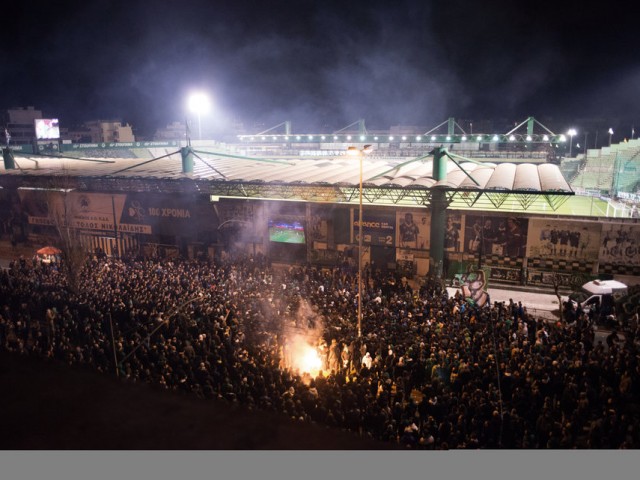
(304, 357)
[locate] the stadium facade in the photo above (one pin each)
(510, 213)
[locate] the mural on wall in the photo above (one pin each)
(413, 229)
(473, 286)
(496, 235)
(620, 244)
(563, 239)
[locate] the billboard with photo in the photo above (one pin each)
(453, 234)
(47, 128)
(413, 229)
(563, 239)
(496, 235)
(620, 244)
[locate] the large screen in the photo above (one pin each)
(47, 129)
(286, 231)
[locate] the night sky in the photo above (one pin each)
(321, 64)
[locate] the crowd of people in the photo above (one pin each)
(429, 370)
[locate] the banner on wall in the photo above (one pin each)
(563, 239)
(133, 213)
(378, 227)
(496, 235)
(620, 244)
(413, 229)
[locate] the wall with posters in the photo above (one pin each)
(564, 239)
(413, 230)
(378, 227)
(620, 244)
(496, 235)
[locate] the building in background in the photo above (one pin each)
(102, 131)
(20, 122)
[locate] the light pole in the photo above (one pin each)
(572, 132)
(360, 154)
(199, 104)
(610, 132)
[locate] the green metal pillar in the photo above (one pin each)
(438, 215)
(530, 122)
(187, 159)
(362, 130)
(451, 126)
(9, 161)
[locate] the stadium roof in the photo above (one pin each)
(326, 179)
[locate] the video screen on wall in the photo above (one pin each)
(47, 129)
(286, 231)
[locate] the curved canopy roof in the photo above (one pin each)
(341, 173)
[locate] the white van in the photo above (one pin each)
(599, 294)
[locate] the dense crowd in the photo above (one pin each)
(429, 371)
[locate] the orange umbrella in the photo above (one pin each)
(49, 251)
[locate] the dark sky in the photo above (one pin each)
(321, 64)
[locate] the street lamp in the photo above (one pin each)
(572, 132)
(610, 132)
(199, 104)
(360, 153)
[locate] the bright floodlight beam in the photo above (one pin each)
(360, 153)
(199, 104)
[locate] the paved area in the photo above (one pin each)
(539, 304)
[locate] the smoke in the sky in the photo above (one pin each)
(321, 65)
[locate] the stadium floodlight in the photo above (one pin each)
(610, 132)
(479, 138)
(391, 139)
(496, 138)
(322, 137)
(464, 138)
(529, 138)
(433, 138)
(512, 138)
(418, 138)
(545, 138)
(572, 132)
(448, 138)
(199, 104)
(310, 137)
(404, 138)
(348, 137)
